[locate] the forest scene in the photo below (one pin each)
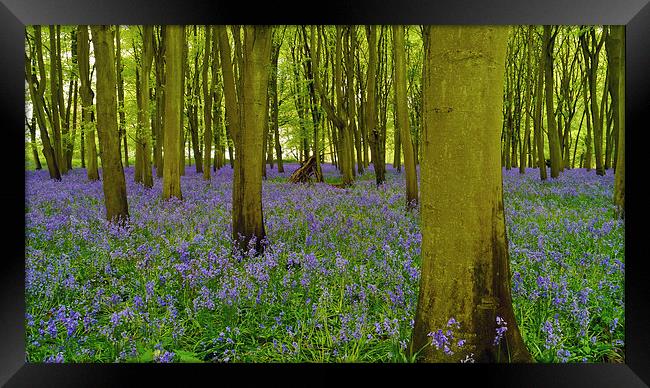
(313, 193)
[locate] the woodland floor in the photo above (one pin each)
(338, 280)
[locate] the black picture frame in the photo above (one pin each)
(15, 14)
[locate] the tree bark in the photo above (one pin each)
(174, 43)
(465, 267)
(618, 66)
(553, 137)
(402, 117)
(374, 136)
(208, 90)
(248, 222)
(114, 183)
(87, 124)
(37, 92)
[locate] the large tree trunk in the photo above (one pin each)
(114, 183)
(87, 124)
(173, 110)
(403, 119)
(465, 267)
(247, 221)
(553, 137)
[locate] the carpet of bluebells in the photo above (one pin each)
(338, 281)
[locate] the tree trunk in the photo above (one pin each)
(539, 136)
(402, 117)
(208, 90)
(144, 121)
(38, 100)
(87, 124)
(465, 267)
(618, 66)
(553, 137)
(54, 102)
(374, 136)
(120, 93)
(591, 56)
(248, 222)
(174, 43)
(529, 47)
(114, 183)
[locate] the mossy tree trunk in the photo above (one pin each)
(539, 100)
(159, 96)
(120, 94)
(143, 149)
(55, 108)
(591, 47)
(114, 183)
(38, 99)
(402, 117)
(87, 124)
(618, 66)
(529, 85)
(553, 136)
(248, 221)
(465, 268)
(273, 89)
(374, 136)
(208, 89)
(174, 42)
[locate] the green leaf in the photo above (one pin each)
(188, 356)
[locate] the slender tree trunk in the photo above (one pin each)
(38, 100)
(87, 124)
(114, 183)
(402, 117)
(465, 270)
(374, 136)
(592, 58)
(553, 137)
(588, 145)
(208, 90)
(539, 136)
(159, 120)
(54, 102)
(529, 47)
(120, 93)
(618, 66)
(144, 121)
(174, 43)
(32, 133)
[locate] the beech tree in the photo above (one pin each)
(402, 117)
(114, 184)
(617, 64)
(465, 269)
(173, 110)
(87, 95)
